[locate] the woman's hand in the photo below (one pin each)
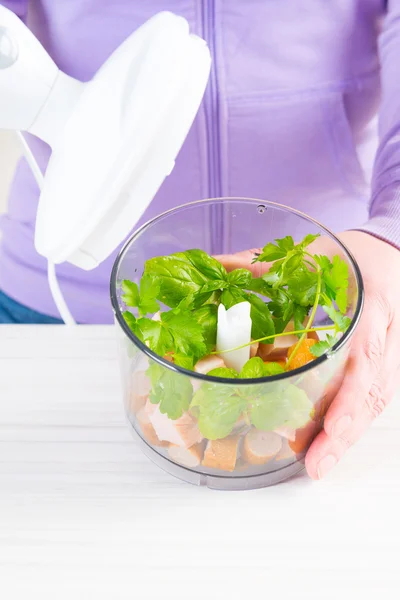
(373, 368)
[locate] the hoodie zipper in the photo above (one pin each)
(213, 132)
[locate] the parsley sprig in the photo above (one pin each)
(192, 284)
(306, 281)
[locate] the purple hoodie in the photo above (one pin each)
(289, 115)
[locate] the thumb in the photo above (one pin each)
(244, 260)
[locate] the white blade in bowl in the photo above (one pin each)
(234, 329)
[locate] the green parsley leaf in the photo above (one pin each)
(186, 332)
(177, 331)
(212, 286)
(302, 286)
(145, 300)
(176, 277)
(340, 321)
(253, 368)
(240, 278)
(341, 300)
(339, 278)
(131, 321)
(270, 253)
(335, 276)
(269, 411)
(286, 243)
(282, 308)
(233, 296)
(224, 372)
(197, 300)
(158, 338)
(186, 362)
(272, 368)
(262, 322)
(285, 248)
(149, 291)
(170, 390)
(207, 318)
(309, 239)
(219, 407)
(205, 264)
(323, 346)
(256, 368)
(323, 261)
(299, 316)
(131, 295)
(288, 258)
(285, 407)
(260, 286)
(301, 408)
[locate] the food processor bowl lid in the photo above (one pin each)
(120, 142)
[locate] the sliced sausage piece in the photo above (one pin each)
(261, 446)
(188, 457)
(222, 454)
(209, 363)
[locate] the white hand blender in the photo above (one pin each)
(113, 140)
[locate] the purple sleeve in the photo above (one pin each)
(19, 7)
(384, 219)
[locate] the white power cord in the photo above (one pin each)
(51, 270)
(57, 295)
(37, 173)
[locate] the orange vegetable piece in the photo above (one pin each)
(303, 354)
(282, 363)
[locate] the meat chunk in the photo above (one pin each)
(188, 457)
(286, 432)
(209, 363)
(279, 349)
(147, 429)
(304, 437)
(140, 390)
(254, 350)
(261, 446)
(182, 432)
(222, 454)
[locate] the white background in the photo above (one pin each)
(85, 516)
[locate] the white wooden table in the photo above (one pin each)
(84, 515)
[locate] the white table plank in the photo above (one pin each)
(84, 515)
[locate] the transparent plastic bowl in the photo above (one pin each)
(224, 226)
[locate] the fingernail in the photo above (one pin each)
(340, 426)
(325, 465)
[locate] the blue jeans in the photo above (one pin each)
(13, 312)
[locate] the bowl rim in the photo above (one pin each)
(237, 382)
